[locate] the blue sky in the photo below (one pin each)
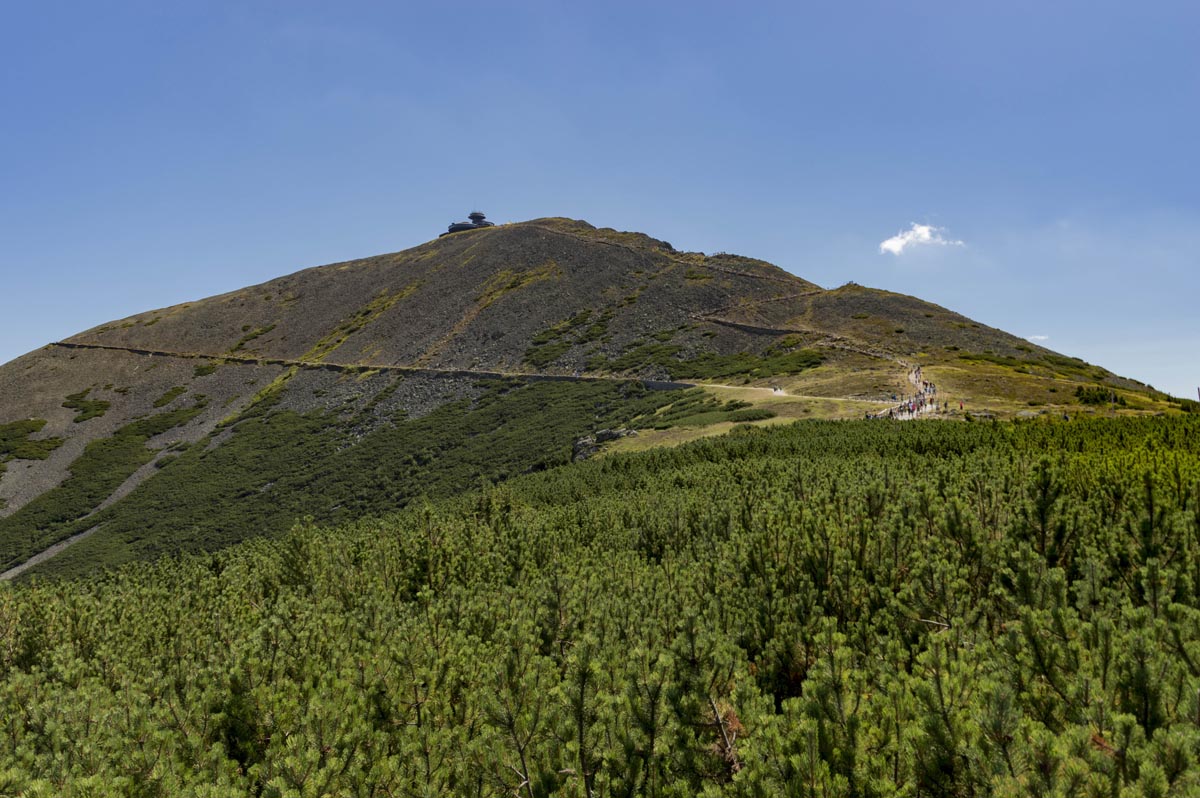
(154, 152)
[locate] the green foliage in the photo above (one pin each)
(506, 281)
(752, 414)
(1098, 395)
(1073, 366)
(1063, 361)
(250, 336)
(555, 341)
(86, 408)
(105, 463)
(695, 408)
(170, 396)
(204, 370)
(541, 355)
(638, 358)
(709, 366)
(999, 360)
(15, 443)
(825, 609)
(360, 319)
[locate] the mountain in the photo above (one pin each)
(359, 387)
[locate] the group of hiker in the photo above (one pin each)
(924, 400)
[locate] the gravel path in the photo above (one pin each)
(358, 367)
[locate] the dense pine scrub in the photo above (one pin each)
(709, 366)
(825, 609)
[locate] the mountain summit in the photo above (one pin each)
(478, 298)
(349, 389)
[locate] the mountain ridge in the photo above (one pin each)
(447, 282)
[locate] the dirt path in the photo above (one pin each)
(425, 371)
(436, 372)
(784, 394)
(923, 402)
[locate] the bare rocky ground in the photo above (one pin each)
(37, 384)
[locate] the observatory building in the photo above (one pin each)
(477, 220)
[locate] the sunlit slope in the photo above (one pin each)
(470, 300)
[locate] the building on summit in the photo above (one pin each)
(477, 220)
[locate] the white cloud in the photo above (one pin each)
(917, 235)
(1037, 337)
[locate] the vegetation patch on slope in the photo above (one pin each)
(699, 409)
(250, 335)
(578, 330)
(15, 443)
(361, 318)
(86, 409)
(782, 358)
(170, 396)
(1098, 395)
(507, 281)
